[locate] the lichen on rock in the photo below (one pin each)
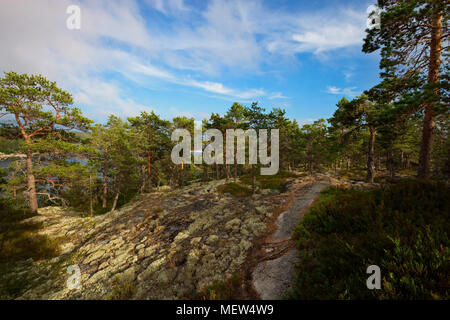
(167, 244)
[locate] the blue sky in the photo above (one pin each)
(193, 57)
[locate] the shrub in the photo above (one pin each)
(19, 240)
(122, 290)
(9, 146)
(221, 290)
(401, 228)
(235, 189)
(276, 181)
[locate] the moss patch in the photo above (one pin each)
(235, 189)
(275, 182)
(122, 290)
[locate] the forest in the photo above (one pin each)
(70, 159)
(394, 137)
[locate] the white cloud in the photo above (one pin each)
(348, 75)
(318, 32)
(350, 91)
(277, 95)
(188, 114)
(219, 88)
(209, 86)
(106, 97)
(199, 46)
(168, 6)
(329, 37)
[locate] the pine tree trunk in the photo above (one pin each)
(116, 197)
(143, 182)
(149, 178)
(31, 183)
(227, 168)
(390, 162)
(182, 175)
(370, 155)
(205, 172)
(377, 162)
(115, 201)
(429, 121)
(105, 180)
(91, 204)
(402, 160)
(253, 179)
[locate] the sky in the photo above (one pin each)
(191, 57)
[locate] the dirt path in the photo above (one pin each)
(275, 274)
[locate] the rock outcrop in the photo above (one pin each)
(164, 245)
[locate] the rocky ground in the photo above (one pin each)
(164, 245)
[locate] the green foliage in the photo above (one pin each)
(121, 290)
(44, 117)
(276, 181)
(413, 43)
(31, 97)
(221, 290)
(402, 228)
(235, 189)
(19, 240)
(9, 146)
(354, 174)
(21, 244)
(11, 285)
(313, 144)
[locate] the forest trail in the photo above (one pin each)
(276, 272)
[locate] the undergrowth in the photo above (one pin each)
(221, 290)
(402, 228)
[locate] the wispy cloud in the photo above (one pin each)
(350, 91)
(189, 114)
(168, 6)
(209, 86)
(199, 46)
(95, 93)
(277, 95)
(348, 75)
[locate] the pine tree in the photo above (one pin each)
(355, 115)
(256, 119)
(40, 110)
(153, 138)
(236, 117)
(410, 36)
